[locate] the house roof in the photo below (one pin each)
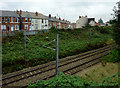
(27, 14)
(33, 15)
(57, 20)
(5, 13)
(100, 21)
(91, 19)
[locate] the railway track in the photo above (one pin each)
(70, 65)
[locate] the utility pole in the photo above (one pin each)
(20, 13)
(57, 53)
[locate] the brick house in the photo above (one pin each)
(57, 22)
(73, 25)
(10, 20)
(26, 20)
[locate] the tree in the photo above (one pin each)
(116, 31)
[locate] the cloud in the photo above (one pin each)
(68, 9)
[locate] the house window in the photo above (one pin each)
(8, 19)
(36, 21)
(16, 27)
(26, 19)
(32, 21)
(45, 24)
(30, 27)
(11, 19)
(29, 19)
(3, 19)
(36, 26)
(16, 19)
(42, 26)
(26, 26)
(42, 20)
(3, 27)
(11, 27)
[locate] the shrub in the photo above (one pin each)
(63, 81)
(112, 57)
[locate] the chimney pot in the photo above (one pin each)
(36, 13)
(59, 18)
(20, 11)
(17, 11)
(79, 17)
(49, 15)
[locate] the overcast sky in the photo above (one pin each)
(67, 9)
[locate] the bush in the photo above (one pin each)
(112, 57)
(64, 81)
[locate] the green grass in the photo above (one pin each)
(71, 42)
(75, 81)
(112, 57)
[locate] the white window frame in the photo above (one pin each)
(3, 27)
(36, 21)
(12, 28)
(3, 19)
(30, 20)
(26, 19)
(36, 26)
(15, 19)
(16, 27)
(12, 19)
(42, 26)
(8, 19)
(42, 21)
(30, 28)
(26, 26)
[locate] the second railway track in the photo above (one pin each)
(69, 65)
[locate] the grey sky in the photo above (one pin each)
(68, 9)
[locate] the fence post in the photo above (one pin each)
(25, 45)
(57, 55)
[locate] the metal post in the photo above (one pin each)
(57, 45)
(25, 44)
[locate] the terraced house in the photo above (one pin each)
(21, 20)
(9, 20)
(58, 22)
(39, 21)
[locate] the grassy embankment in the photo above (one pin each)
(70, 42)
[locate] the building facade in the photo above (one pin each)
(24, 20)
(9, 21)
(81, 22)
(58, 22)
(39, 21)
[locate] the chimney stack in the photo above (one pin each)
(49, 15)
(63, 19)
(36, 13)
(20, 11)
(59, 18)
(55, 17)
(17, 11)
(79, 17)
